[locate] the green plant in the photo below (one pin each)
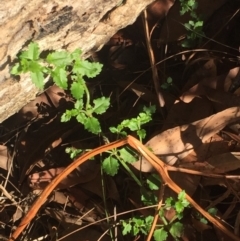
(212, 211)
(64, 68)
(135, 124)
(125, 155)
(142, 225)
(166, 85)
(194, 26)
(73, 152)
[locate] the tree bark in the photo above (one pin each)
(54, 25)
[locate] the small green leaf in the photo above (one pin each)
(79, 104)
(32, 53)
(185, 203)
(135, 230)
(118, 130)
(169, 80)
(182, 12)
(143, 118)
(169, 202)
(123, 133)
(212, 211)
(185, 44)
(34, 66)
(76, 54)
(165, 86)
(77, 90)
(60, 77)
(133, 124)
(195, 5)
(179, 207)
(84, 67)
(176, 229)
(68, 115)
(124, 124)
(181, 195)
(138, 221)
(191, 3)
(203, 220)
(127, 227)
(101, 105)
(16, 69)
(143, 230)
(126, 155)
(114, 130)
(149, 110)
(160, 235)
(141, 134)
(178, 215)
(38, 79)
(73, 152)
(110, 165)
(65, 117)
(149, 220)
(187, 26)
(92, 124)
(96, 69)
(81, 117)
(154, 181)
(25, 65)
(198, 24)
(59, 59)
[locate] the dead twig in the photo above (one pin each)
(9, 196)
(155, 75)
(156, 217)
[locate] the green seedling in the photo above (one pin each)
(142, 225)
(67, 71)
(194, 26)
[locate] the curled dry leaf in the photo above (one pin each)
(178, 142)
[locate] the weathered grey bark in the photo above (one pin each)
(56, 24)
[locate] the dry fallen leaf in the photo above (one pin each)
(225, 162)
(178, 142)
(213, 146)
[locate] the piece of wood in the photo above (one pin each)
(55, 25)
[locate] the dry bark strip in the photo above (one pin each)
(55, 25)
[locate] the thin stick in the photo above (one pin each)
(155, 76)
(160, 199)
